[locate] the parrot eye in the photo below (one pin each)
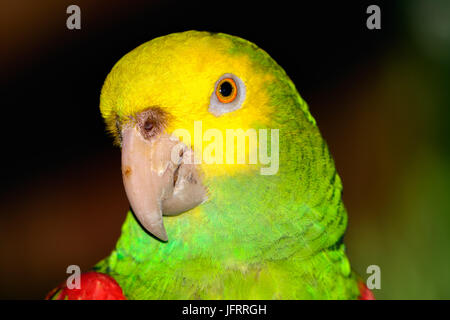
(228, 95)
(226, 90)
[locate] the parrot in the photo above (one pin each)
(206, 220)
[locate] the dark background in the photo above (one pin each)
(380, 98)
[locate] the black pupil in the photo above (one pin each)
(226, 89)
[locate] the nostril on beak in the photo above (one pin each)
(149, 124)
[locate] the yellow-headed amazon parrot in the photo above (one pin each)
(232, 189)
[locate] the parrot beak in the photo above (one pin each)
(159, 176)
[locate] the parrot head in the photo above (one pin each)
(175, 100)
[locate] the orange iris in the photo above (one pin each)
(226, 90)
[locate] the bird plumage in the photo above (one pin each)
(257, 236)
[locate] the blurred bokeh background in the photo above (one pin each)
(381, 99)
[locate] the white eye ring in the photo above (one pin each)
(217, 107)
